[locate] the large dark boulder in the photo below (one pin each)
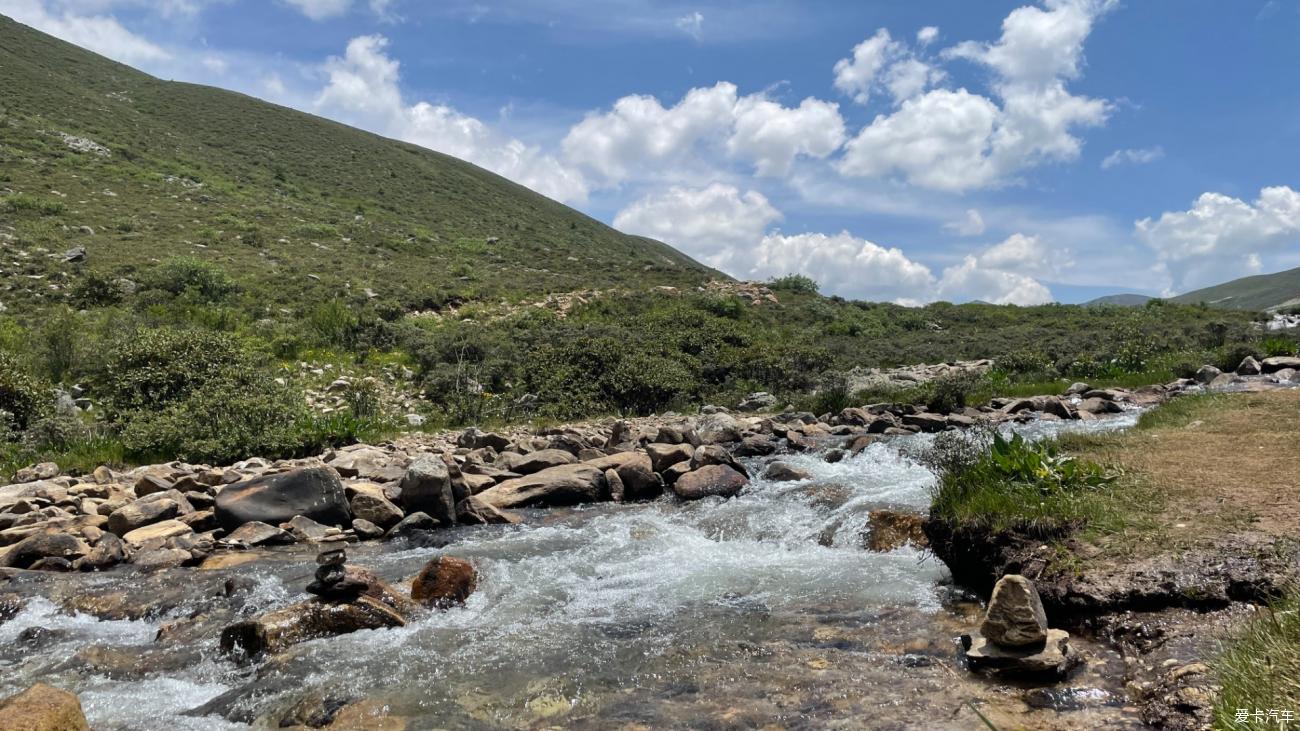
(312, 492)
(710, 480)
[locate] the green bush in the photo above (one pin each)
(226, 419)
(796, 283)
(195, 278)
(1024, 362)
(152, 369)
(22, 397)
(95, 289)
(950, 393)
(60, 343)
(1276, 346)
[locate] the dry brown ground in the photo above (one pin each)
(1233, 467)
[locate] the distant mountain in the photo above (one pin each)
(1122, 300)
(138, 170)
(1260, 292)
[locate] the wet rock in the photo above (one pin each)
(257, 533)
(31, 550)
(926, 422)
(663, 456)
(636, 473)
(307, 530)
(34, 638)
(161, 558)
(616, 489)
(42, 708)
(527, 464)
(1015, 616)
(413, 523)
(308, 620)
(52, 563)
(834, 455)
(710, 480)
(427, 488)
(570, 484)
(1099, 406)
(856, 445)
(312, 492)
(375, 509)
(711, 454)
(1207, 373)
(1278, 362)
(156, 532)
(473, 511)
(1051, 661)
(891, 529)
(1249, 367)
(444, 582)
(782, 472)
(365, 530)
(755, 446)
(109, 551)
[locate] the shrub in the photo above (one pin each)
(1273, 347)
(333, 323)
(23, 203)
(796, 283)
(95, 289)
(59, 344)
(150, 369)
(1023, 362)
(224, 420)
(21, 396)
(198, 279)
(950, 393)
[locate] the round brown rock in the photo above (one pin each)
(710, 480)
(444, 582)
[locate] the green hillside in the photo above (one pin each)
(297, 208)
(1122, 300)
(1260, 292)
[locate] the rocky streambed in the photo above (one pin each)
(634, 582)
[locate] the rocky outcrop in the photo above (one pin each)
(42, 708)
(312, 492)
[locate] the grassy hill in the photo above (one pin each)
(300, 209)
(1260, 292)
(1122, 300)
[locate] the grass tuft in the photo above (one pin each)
(1260, 667)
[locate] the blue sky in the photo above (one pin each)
(1015, 152)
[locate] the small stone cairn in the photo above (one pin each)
(1014, 639)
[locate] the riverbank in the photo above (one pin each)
(1209, 500)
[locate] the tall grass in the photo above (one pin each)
(1259, 669)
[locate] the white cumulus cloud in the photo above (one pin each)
(692, 24)
(846, 265)
(972, 224)
(640, 137)
(1221, 237)
(718, 224)
(363, 90)
(321, 9)
(1031, 118)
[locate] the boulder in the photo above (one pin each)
(159, 532)
(854, 416)
(312, 492)
(527, 464)
(365, 530)
(710, 454)
(375, 509)
(42, 708)
(150, 483)
(444, 582)
(369, 463)
(760, 401)
(37, 472)
(569, 484)
(782, 472)
(635, 472)
(43, 545)
(857, 444)
(257, 533)
(307, 530)
(108, 552)
(474, 438)
(412, 523)
(1278, 362)
(663, 456)
(710, 480)
(1015, 616)
(473, 511)
(1077, 388)
(718, 428)
(427, 488)
(1099, 406)
(1207, 373)
(1050, 661)
(1249, 367)
(154, 508)
(926, 422)
(755, 446)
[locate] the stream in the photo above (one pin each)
(760, 610)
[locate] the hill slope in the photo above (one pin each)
(1121, 300)
(1260, 292)
(303, 208)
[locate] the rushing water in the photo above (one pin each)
(726, 613)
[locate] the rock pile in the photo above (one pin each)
(1014, 639)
